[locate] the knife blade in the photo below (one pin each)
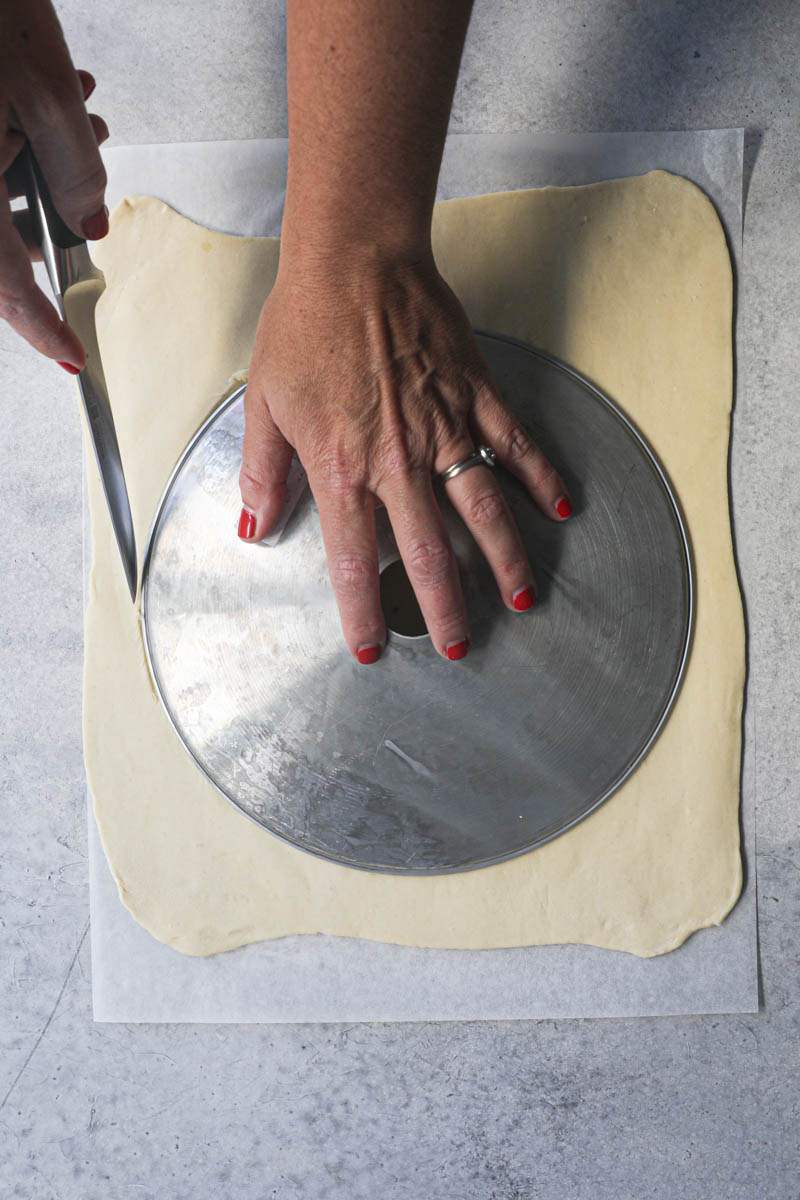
(77, 286)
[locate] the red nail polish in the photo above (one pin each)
(247, 524)
(563, 507)
(96, 226)
(368, 655)
(457, 650)
(69, 367)
(523, 599)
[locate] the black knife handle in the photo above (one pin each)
(37, 190)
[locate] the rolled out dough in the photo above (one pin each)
(630, 282)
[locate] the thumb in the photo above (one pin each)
(266, 458)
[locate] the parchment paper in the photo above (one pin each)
(238, 187)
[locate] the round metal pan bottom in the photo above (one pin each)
(416, 764)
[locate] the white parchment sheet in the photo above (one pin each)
(238, 187)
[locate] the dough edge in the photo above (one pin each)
(202, 941)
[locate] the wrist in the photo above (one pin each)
(341, 254)
(347, 236)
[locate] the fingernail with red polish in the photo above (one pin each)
(563, 507)
(96, 226)
(247, 524)
(87, 87)
(69, 367)
(523, 599)
(368, 654)
(456, 650)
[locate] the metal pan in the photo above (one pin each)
(417, 765)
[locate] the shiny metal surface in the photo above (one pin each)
(77, 286)
(484, 456)
(416, 764)
(84, 286)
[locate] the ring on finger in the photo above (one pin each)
(484, 456)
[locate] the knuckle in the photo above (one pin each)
(334, 469)
(428, 560)
(350, 573)
(515, 566)
(518, 443)
(250, 480)
(11, 310)
(396, 458)
(397, 454)
(484, 508)
(16, 307)
(89, 185)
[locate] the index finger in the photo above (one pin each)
(47, 96)
(424, 545)
(24, 306)
(347, 519)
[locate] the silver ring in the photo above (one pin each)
(484, 456)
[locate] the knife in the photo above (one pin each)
(77, 285)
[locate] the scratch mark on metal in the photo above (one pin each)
(417, 767)
(631, 472)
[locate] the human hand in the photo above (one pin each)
(42, 99)
(369, 369)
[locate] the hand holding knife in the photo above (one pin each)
(77, 285)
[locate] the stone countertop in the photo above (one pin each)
(558, 1110)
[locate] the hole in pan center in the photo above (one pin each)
(400, 608)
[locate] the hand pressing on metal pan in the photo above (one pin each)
(366, 364)
(364, 360)
(42, 98)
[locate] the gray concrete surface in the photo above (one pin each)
(696, 1107)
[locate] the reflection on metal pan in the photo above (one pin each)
(416, 765)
